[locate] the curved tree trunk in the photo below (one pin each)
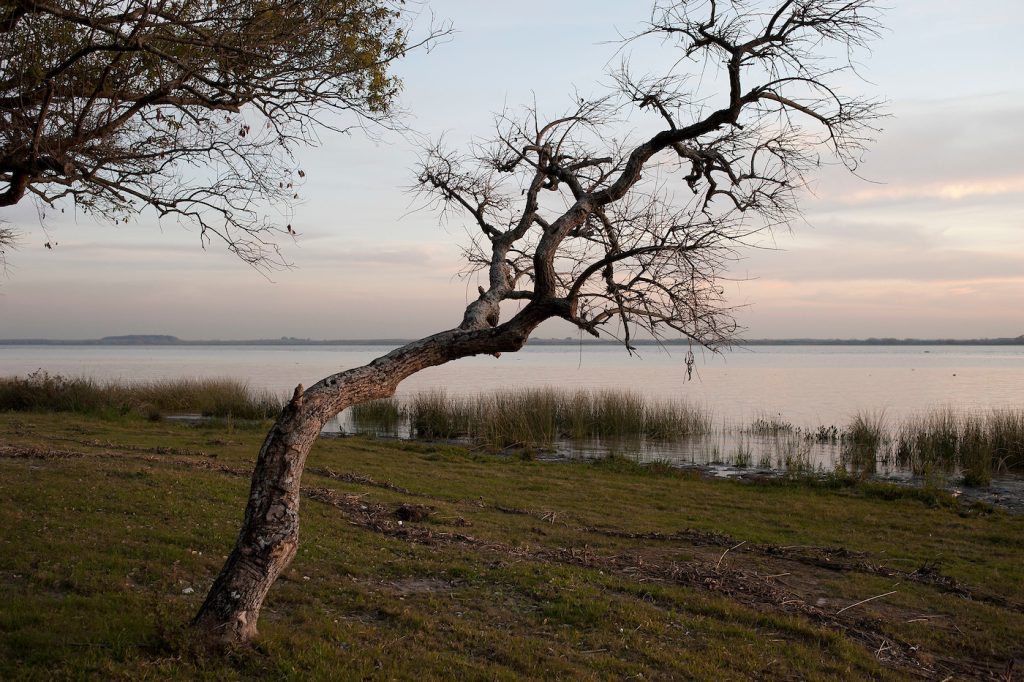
(269, 536)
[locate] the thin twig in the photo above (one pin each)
(865, 601)
(726, 552)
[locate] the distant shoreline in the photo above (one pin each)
(167, 340)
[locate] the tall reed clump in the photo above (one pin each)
(385, 414)
(977, 444)
(974, 452)
(1006, 433)
(434, 414)
(617, 415)
(575, 416)
(516, 417)
(675, 419)
(929, 442)
(867, 429)
(862, 441)
(539, 416)
(209, 397)
(44, 392)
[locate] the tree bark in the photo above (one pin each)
(15, 189)
(269, 536)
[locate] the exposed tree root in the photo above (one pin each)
(360, 480)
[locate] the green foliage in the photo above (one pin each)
(147, 96)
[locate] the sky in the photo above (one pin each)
(927, 241)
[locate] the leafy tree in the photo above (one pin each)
(573, 223)
(192, 108)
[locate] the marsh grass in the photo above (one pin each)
(615, 414)
(743, 457)
(1005, 431)
(672, 420)
(863, 441)
(540, 416)
(977, 444)
(860, 458)
(622, 464)
(938, 443)
(523, 417)
(797, 465)
(434, 414)
(826, 435)
(867, 429)
(44, 392)
(942, 442)
(385, 415)
(771, 426)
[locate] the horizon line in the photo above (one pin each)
(170, 340)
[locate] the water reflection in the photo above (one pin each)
(725, 451)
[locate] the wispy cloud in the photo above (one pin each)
(884, 307)
(946, 191)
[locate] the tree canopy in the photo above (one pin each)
(616, 233)
(193, 108)
(573, 221)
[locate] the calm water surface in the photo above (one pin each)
(805, 385)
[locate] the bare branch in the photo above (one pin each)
(617, 237)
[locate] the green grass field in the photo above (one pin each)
(428, 561)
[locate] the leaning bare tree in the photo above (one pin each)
(189, 108)
(609, 236)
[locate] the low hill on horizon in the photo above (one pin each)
(170, 340)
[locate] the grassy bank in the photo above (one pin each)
(44, 392)
(427, 561)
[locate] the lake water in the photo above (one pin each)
(807, 386)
